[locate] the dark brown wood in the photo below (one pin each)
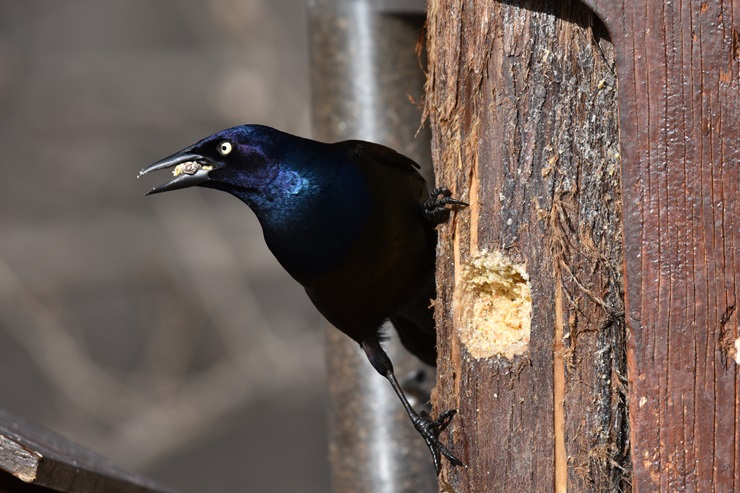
(39, 460)
(523, 110)
(499, 102)
(678, 66)
(11, 484)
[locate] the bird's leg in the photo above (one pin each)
(427, 427)
(435, 208)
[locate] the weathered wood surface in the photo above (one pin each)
(678, 66)
(503, 108)
(523, 110)
(44, 461)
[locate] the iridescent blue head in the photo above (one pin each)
(301, 190)
(254, 162)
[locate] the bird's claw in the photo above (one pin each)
(435, 208)
(430, 429)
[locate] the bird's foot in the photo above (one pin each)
(435, 208)
(430, 429)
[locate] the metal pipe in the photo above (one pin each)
(364, 67)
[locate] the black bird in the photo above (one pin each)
(353, 222)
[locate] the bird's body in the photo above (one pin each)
(351, 221)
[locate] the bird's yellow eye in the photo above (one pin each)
(224, 147)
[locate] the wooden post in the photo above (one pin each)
(534, 350)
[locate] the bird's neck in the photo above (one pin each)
(312, 216)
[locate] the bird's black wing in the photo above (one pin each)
(379, 153)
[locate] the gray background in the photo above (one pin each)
(158, 331)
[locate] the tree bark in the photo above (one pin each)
(523, 110)
(521, 99)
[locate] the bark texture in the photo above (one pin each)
(521, 98)
(522, 103)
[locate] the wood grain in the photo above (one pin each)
(522, 103)
(679, 99)
(48, 462)
(499, 105)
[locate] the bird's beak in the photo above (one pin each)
(190, 170)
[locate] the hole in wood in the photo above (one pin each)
(495, 305)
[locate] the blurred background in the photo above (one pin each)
(157, 331)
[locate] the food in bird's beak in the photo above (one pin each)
(189, 168)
